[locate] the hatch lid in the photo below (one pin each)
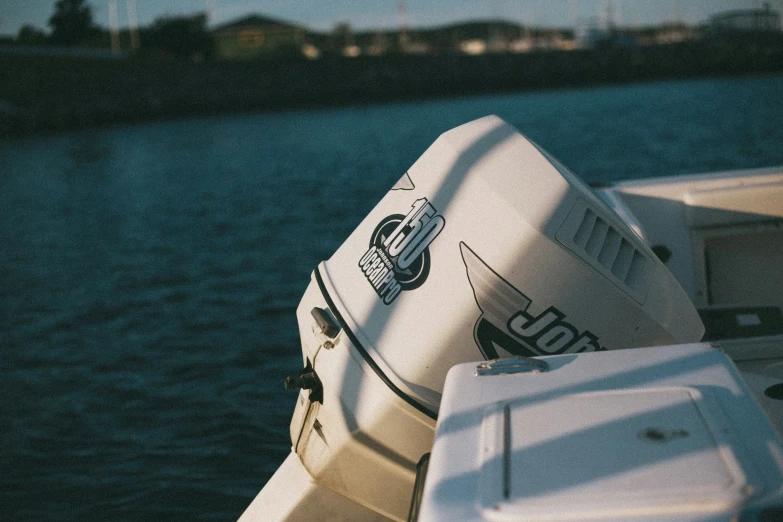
(615, 453)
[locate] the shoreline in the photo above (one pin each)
(42, 94)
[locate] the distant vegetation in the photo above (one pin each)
(180, 36)
(71, 23)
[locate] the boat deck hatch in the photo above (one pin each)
(616, 453)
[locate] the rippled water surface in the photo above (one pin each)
(149, 274)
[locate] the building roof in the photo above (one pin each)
(255, 22)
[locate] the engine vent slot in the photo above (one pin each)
(608, 248)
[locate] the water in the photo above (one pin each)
(149, 274)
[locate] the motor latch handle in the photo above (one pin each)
(305, 381)
(325, 322)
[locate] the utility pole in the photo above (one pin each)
(575, 29)
(574, 8)
(114, 26)
(402, 12)
(677, 12)
(133, 25)
(610, 16)
(212, 13)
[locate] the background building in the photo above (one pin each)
(255, 36)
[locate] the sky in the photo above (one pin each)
(385, 14)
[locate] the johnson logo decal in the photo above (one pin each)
(506, 327)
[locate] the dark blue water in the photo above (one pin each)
(149, 274)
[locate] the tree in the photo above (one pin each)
(30, 35)
(71, 22)
(181, 36)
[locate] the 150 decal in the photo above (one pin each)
(505, 323)
(398, 257)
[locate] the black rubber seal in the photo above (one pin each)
(366, 356)
(418, 487)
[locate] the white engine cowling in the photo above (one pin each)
(486, 247)
(489, 247)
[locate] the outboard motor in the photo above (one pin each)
(487, 247)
